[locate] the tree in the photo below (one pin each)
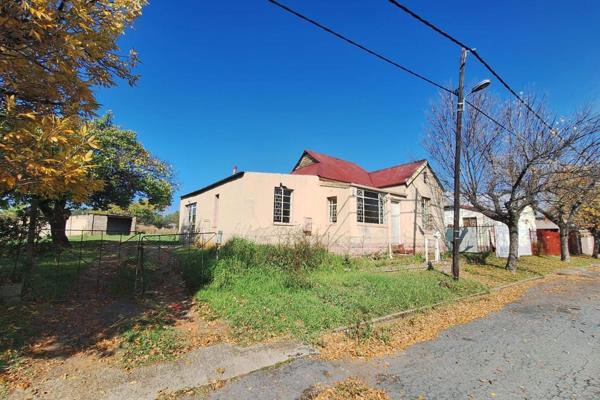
(589, 217)
(52, 53)
(567, 191)
(502, 169)
(128, 172)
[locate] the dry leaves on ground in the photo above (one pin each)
(348, 389)
(417, 328)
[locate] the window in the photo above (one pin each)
(369, 206)
(191, 215)
(425, 209)
(470, 222)
(282, 204)
(332, 209)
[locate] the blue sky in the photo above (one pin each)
(244, 83)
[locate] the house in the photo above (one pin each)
(480, 233)
(347, 208)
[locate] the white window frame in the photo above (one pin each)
(191, 217)
(361, 209)
(279, 198)
(332, 209)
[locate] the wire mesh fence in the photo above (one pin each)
(92, 263)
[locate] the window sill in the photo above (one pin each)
(283, 224)
(371, 225)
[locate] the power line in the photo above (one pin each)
(475, 54)
(386, 59)
(360, 46)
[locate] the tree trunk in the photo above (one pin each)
(564, 243)
(31, 231)
(596, 244)
(513, 248)
(57, 214)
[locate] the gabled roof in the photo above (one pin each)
(328, 167)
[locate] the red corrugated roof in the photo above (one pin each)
(336, 169)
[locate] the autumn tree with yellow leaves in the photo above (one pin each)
(589, 217)
(52, 54)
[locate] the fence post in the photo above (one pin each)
(142, 268)
(120, 243)
(56, 277)
(99, 262)
(159, 238)
(79, 262)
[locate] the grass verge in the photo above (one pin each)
(490, 270)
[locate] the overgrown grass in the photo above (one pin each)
(263, 301)
(303, 290)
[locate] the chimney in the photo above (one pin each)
(234, 171)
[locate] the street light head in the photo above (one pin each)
(481, 85)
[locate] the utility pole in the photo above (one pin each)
(457, 150)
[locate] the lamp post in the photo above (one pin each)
(458, 145)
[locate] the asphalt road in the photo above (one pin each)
(545, 346)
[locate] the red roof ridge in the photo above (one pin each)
(399, 165)
(337, 169)
(311, 152)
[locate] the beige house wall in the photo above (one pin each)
(245, 208)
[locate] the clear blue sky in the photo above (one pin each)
(244, 83)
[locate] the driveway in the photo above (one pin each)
(545, 346)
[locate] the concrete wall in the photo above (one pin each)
(90, 223)
(244, 207)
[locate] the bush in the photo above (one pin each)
(238, 256)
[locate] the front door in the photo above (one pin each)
(395, 217)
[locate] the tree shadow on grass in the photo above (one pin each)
(87, 321)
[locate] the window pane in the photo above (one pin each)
(332, 209)
(369, 207)
(282, 204)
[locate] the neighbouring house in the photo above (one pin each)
(349, 209)
(581, 241)
(100, 224)
(482, 234)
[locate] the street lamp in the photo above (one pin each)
(459, 111)
(481, 85)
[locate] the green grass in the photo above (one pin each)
(491, 272)
(54, 273)
(302, 291)
(263, 302)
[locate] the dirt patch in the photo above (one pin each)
(394, 336)
(348, 389)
